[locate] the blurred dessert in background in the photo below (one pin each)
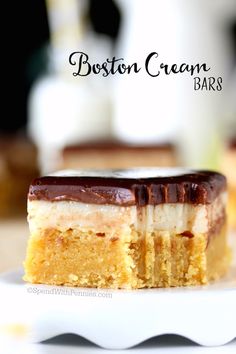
(4, 186)
(18, 166)
(228, 167)
(115, 154)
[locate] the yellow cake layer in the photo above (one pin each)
(133, 259)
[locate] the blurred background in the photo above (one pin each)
(53, 120)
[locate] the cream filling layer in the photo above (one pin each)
(64, 215)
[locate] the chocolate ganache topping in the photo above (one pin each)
(140, 186)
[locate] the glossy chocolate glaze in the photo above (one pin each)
(130, 187)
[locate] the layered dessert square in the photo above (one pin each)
(127, 228)
(116, 154)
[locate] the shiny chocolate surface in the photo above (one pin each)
(140, 186)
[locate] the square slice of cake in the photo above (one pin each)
(127, 228)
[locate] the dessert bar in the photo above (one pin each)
(129, 229)
(115, 154)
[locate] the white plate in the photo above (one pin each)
(119, 319)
